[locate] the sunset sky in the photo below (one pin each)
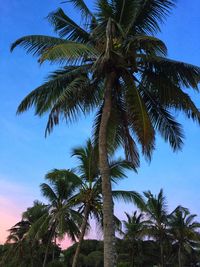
(26, 156)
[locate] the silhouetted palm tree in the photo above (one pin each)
(184, 231)
(156, 211)
(19, 235)
(62, 218)
(89, 196)
(136, 228)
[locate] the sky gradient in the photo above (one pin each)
(26, 156)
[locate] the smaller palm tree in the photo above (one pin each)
(156, 211)
(19, 235)
(136, 229)
(184, 231)
(89, 199)
(61, 218)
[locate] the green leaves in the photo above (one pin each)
(129, 197)
(138, 116)
(151, 45)
(82, 7)
(54, 49)
(66, 27)
(183, 229)
(68, 52)
(179, 73)
(163, 121)
(36, 44)
(150, 14)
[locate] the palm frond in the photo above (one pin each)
(138, 116)
(54, 49)
(39, 228)
(37, 44)
(68, 52)
(63, 174)
(127, 141)
(129, 197)
(88, 161)
(149, 44)
(113, 138)
(179, 73)
(66, 27)
(48, 192)
(149, 15)
(82, 7)
(45, 96)
(170, 95)
(118, 133)
(118, 168)
(80, 96)
(104, 12)
(163, 121)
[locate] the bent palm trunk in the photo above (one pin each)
(82, 234)
(108, 223)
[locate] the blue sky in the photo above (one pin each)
(25, 155)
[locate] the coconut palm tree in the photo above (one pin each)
(62, 218)
(184, 231)
(114, 63)
(135, 229)
(89, 196)
(156, 211)
(21, 244)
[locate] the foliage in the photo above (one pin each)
(147, 89)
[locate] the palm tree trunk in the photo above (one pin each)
(48, 245)
(82, 234)
(108, 222)
(162, 254)
(53, 254)
(132, 258)
(46, 253)
(32, 257)
(179, 257)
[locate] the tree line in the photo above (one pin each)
(151, 236)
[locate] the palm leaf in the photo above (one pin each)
(129, 197)
(68, 52)
(37, 44)
(139, 119)
(82, 7)
(150, 14)
(163, 121)
(45, 96)
(104, 12)
(52, 48)
(48, 192)
(118, 168)
(66, 27)
(179, 73)
(78, 97)
(170, 95)
(149, 44)
(118, 133)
